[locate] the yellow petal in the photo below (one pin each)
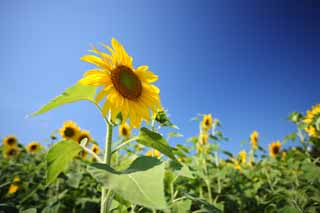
(95, 60)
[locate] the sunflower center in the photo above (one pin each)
(69, 132)
(126, 82)
(33, 147)
(12, 152)
(124, 132)
(11, 141)
(207, 122)
(275, 149)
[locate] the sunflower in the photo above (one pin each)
(83, 154)
(70, 130)
(12, 152)
(243, 156)
(14, 187)
(236, 165)
(274, 148)
(124, 130)
(128, 90)
(207, 122)
(95, 149)
(254, 139)
(283, 154)
(310, 119)
(153, 153)
(203, 139)
(10, 140)
(33, 147)
(84, 134)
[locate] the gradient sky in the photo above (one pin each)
(249, 63)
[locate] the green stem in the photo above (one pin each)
(107, 160)
(123, 144)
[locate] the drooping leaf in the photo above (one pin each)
(77, 92)
(141, 183)
(180, 169)
(155, 141)
(59, 156)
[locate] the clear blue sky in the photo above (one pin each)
(249, 63)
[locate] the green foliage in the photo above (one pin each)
(59, 157)
(75, 93)
(141, 183)
(156, 141)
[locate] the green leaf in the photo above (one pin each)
(141, 183)
(156, 141)
(32, 210)
(180, 169)
(182, 206)
(77, 92)
(206, 205)
(59, 156)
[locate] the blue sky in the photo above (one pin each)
(248, 63)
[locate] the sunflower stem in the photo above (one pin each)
(123, 144)
(107, 160)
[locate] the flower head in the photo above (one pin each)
(95, 148)
(312, 116)
(12, 152)
(207, 122)
(84, 134)
(254, 139)
(14, 186)
(128, 90)
(124, 130)
(70, 131)
(10, 140)
(153, 153)
(274, 148)
(33, 147)
(243, 156)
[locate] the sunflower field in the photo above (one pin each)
(138, 170)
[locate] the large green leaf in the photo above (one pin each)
(156, 141)
(141, 183)
(75, 93)
(59, 156)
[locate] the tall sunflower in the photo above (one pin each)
(254, 139)
(95, 148)
(33, 147)
(243, 156)
(12, 152)
(128, 90)
(10, 140)
(124, 130)
(310, 119)
(207, 122)
(274, 148)
(70, 131)
(84, 134)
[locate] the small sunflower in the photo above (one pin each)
(12, 152)
(124, 130)
(254, 139)
(274, 148)
(203, 139)
(128, 90)
(153, 153)
(310, 119)
(243, 156)
(10, 140)
(236, 165)
(33, 147)
(70, 130)
(284, 154)
(84, 134)
(207, 122)
(83, 154)
(95, 149)
(14, 186)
